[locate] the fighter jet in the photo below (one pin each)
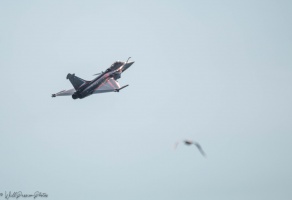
(104, 82)
(189, 142)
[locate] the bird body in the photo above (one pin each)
(189, 142)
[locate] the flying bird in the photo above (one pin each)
(189, 142)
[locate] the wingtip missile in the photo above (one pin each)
(118, 90)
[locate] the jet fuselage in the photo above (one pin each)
(88, 88)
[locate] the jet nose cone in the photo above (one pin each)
(130, 63)
(126, 66)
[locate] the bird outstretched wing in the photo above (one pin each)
(190, 142)
(200, 148)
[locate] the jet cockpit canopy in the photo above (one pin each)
(116, 65)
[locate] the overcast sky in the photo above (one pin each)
(218, 72)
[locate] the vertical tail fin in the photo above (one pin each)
(76, 81)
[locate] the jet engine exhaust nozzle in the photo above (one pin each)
(75, 96)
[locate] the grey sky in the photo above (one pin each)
(218, 72)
